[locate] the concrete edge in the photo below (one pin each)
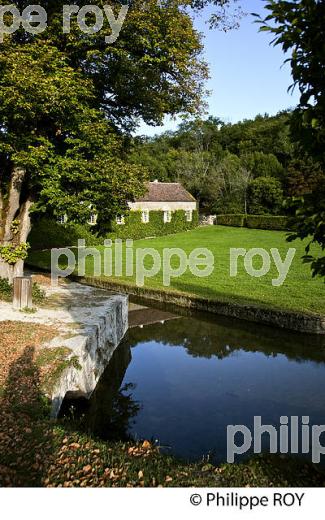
(290, 320)
(93, 348)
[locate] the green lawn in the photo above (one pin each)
(299, 292)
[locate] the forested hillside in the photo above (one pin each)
(250, 166)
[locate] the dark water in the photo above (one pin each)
(183, 381)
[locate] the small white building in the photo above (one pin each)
(166, 197)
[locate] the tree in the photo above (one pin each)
(67, 100)
(216, 161)
(304, 176)
(298, 26)
(199, 135)
(263, 165)
(265, 196)
(231, 181)
(264, 133)
(156, 155)
(226, 14)
(195, 171)
(55, 149)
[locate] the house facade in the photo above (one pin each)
(165, 197)
(165, 208)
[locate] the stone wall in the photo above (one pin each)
(92, 350)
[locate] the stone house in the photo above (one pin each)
(167, 197)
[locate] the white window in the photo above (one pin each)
(167, 216)
(145, 216)
(92, 219)
(120, 220)
(189, 215)
(62, 219)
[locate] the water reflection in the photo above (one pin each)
(191, 377)
(110, 411)
(206, 336)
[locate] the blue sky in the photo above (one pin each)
(247, 74)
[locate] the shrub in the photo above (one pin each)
(47, 233)
(275, 222)
(135, 229)
(38, 295)
(235, 220)
(5, 290)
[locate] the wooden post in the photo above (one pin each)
(22, 292)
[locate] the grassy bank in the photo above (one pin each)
(36, 451)
(300, 292)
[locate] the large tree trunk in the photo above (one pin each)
(15, 222)
(9, 272)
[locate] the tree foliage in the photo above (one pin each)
(69, 101)
(298, 27)
(262, 164)
(265, 196)
(217, 161)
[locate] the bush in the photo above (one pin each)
(5, 290)
(135, 229)
(47, 233)
(38, 295)
(235, 220)
(267, 222)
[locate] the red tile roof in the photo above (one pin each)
(166, 192)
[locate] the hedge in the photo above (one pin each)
(47, 233)
(232, 219)
(135, 229)
(272, 222)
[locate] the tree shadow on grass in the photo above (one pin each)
(25, 430)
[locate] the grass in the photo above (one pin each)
(53, 362)
(300, 292)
